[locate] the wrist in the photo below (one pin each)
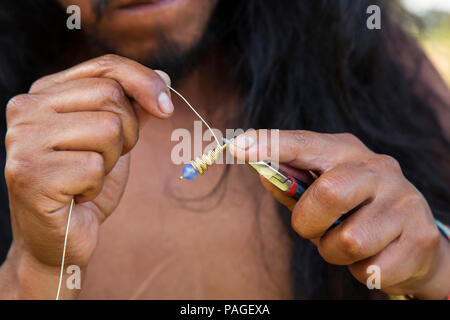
(25, 277)
(438, 284)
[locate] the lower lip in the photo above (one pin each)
(146, 6)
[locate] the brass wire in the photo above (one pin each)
(206, 160)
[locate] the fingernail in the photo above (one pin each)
(165, 104)
(164, 76)
(244, 142)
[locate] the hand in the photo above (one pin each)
(70, 137)
(391, 224)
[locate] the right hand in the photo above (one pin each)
(70, 137)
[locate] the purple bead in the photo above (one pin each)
(189, 172)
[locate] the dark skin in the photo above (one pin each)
(86, 121)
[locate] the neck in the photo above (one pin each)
(210, 89)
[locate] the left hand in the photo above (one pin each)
(391, 225)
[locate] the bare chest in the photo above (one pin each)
(219, 236)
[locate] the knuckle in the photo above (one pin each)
(434, 237)
(112, 91)
(301, 137)
(349, 138)
(327, 191)
(298, 224)
(36, 84)
(93, 163)
(40, 82)
(112, 126)
(16, 104)
(92, 175)
(351, 243)
(430, 239)
(359, 271)
(109, 60)
(370, 164)
(387, 162)
(135, 136)
(93, 188)
(414, 199)
(17, 101)
(131, 140)
(409, 202)
(16, 173)
(12, 136)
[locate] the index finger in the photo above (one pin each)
(140, 83)
(319, 152)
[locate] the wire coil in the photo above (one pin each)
(206, 160)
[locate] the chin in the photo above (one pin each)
(138, 28)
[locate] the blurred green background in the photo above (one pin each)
(434, 31)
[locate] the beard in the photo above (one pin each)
(176, 61)
(99, 6)
(169, 56)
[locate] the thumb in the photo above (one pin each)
(142, 115)
(165, 77)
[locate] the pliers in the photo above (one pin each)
(291, 186)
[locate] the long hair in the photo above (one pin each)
(310, 65)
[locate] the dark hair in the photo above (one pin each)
(310, 65)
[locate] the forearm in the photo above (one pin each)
(23, 277)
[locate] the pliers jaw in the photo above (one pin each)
(291, 186)
(278, 179)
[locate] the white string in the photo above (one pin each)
(73, 201)
(64, 249)
(195, 111)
